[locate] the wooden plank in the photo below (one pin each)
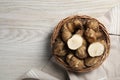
(26, 26)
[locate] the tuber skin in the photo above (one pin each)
(99, 35)
(77, 22)
(70, 27)
(90, 35)
(66, 34)
(81, 52)
(91, 61)
(104, 43)
(59, 48)
(80, 32)
(75, 62)
(93, 24)
(69, 57)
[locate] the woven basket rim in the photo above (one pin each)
(56, 32)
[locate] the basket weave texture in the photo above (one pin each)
(62, 62)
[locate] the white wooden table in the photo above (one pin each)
(26, 26)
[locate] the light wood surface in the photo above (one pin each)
(26, 26)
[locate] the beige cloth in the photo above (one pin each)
(109, 70)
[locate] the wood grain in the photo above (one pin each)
(26, 26)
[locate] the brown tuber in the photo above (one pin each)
(78, 24)
(80, 32)
(59, 48)
(90, 35)
(70, 27)
(93, 24)
(92, 61)
(66, 34)
(81, 52)
(75, 62)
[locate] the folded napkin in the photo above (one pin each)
(109, 70)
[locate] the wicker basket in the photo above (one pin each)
(56, 32)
